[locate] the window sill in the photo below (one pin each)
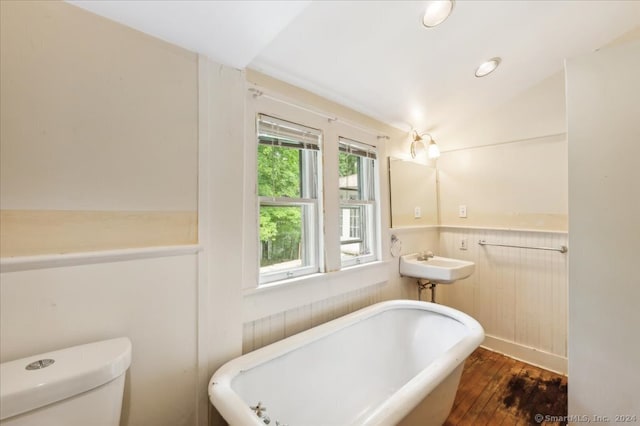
(274, 298)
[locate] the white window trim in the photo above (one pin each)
(309, 142)
(251, 253)
(329, 259)
(350, 133)
(375, 204)
(360, 260)
(314, 238)
(274, 298)
(314, 235)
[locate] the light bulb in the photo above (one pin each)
(437, 12)
(433, 151)
(488, 67)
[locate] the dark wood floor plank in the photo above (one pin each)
(497, 383)
(551, 397)
(476, 376)
(509, 420)
(494, 412)
(495, 389)
(479, 385)
(519, 388)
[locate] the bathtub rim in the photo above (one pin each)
(236, 411)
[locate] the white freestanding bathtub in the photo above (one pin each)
(396, 362)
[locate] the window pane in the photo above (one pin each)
(357, 185)
(357, 178)
(283, 238)
(350, 179)
(279, 171)
(355, 231)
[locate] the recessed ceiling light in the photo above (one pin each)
(437, 12)
(488, 67)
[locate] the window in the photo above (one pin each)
(315, 192)
(288, 188)
(358, 211)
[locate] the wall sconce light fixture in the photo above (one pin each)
(432, 147)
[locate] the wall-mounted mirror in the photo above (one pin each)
(414, 200)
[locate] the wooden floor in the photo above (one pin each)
(498, 390)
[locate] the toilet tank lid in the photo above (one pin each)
(74, 370)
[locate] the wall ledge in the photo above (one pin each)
(401, 229)
(491, 228)
(25, 263)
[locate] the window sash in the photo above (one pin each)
(365, 189)
(310, 235)
(281, 133)
(367, 237)
(360, 149)
(301, 255)
(276, 132)
(362, 200)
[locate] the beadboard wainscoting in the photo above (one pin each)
(518, 295)
(276, 327)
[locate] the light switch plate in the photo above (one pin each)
(463, 244)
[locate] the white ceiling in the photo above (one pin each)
(377, 58)
(229, 32)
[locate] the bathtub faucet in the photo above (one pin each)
(259, 409)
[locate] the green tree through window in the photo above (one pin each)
(288, 188)
(348, 165)
(280, 227)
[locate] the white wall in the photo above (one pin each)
(535, 112)
(98, 134)
(519, 296)
(120, 126)
(412, 185)
(521, 185)
(509, 168)
(513, 171)
(95, 115)
(220, 226)
(151, 301)
(602, 106)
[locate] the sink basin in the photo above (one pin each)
(441, 270)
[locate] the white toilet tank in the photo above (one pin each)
(77, 386)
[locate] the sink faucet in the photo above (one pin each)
(425, 255)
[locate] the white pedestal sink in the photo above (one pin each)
(434, 270)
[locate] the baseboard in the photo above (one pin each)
(546, 360)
